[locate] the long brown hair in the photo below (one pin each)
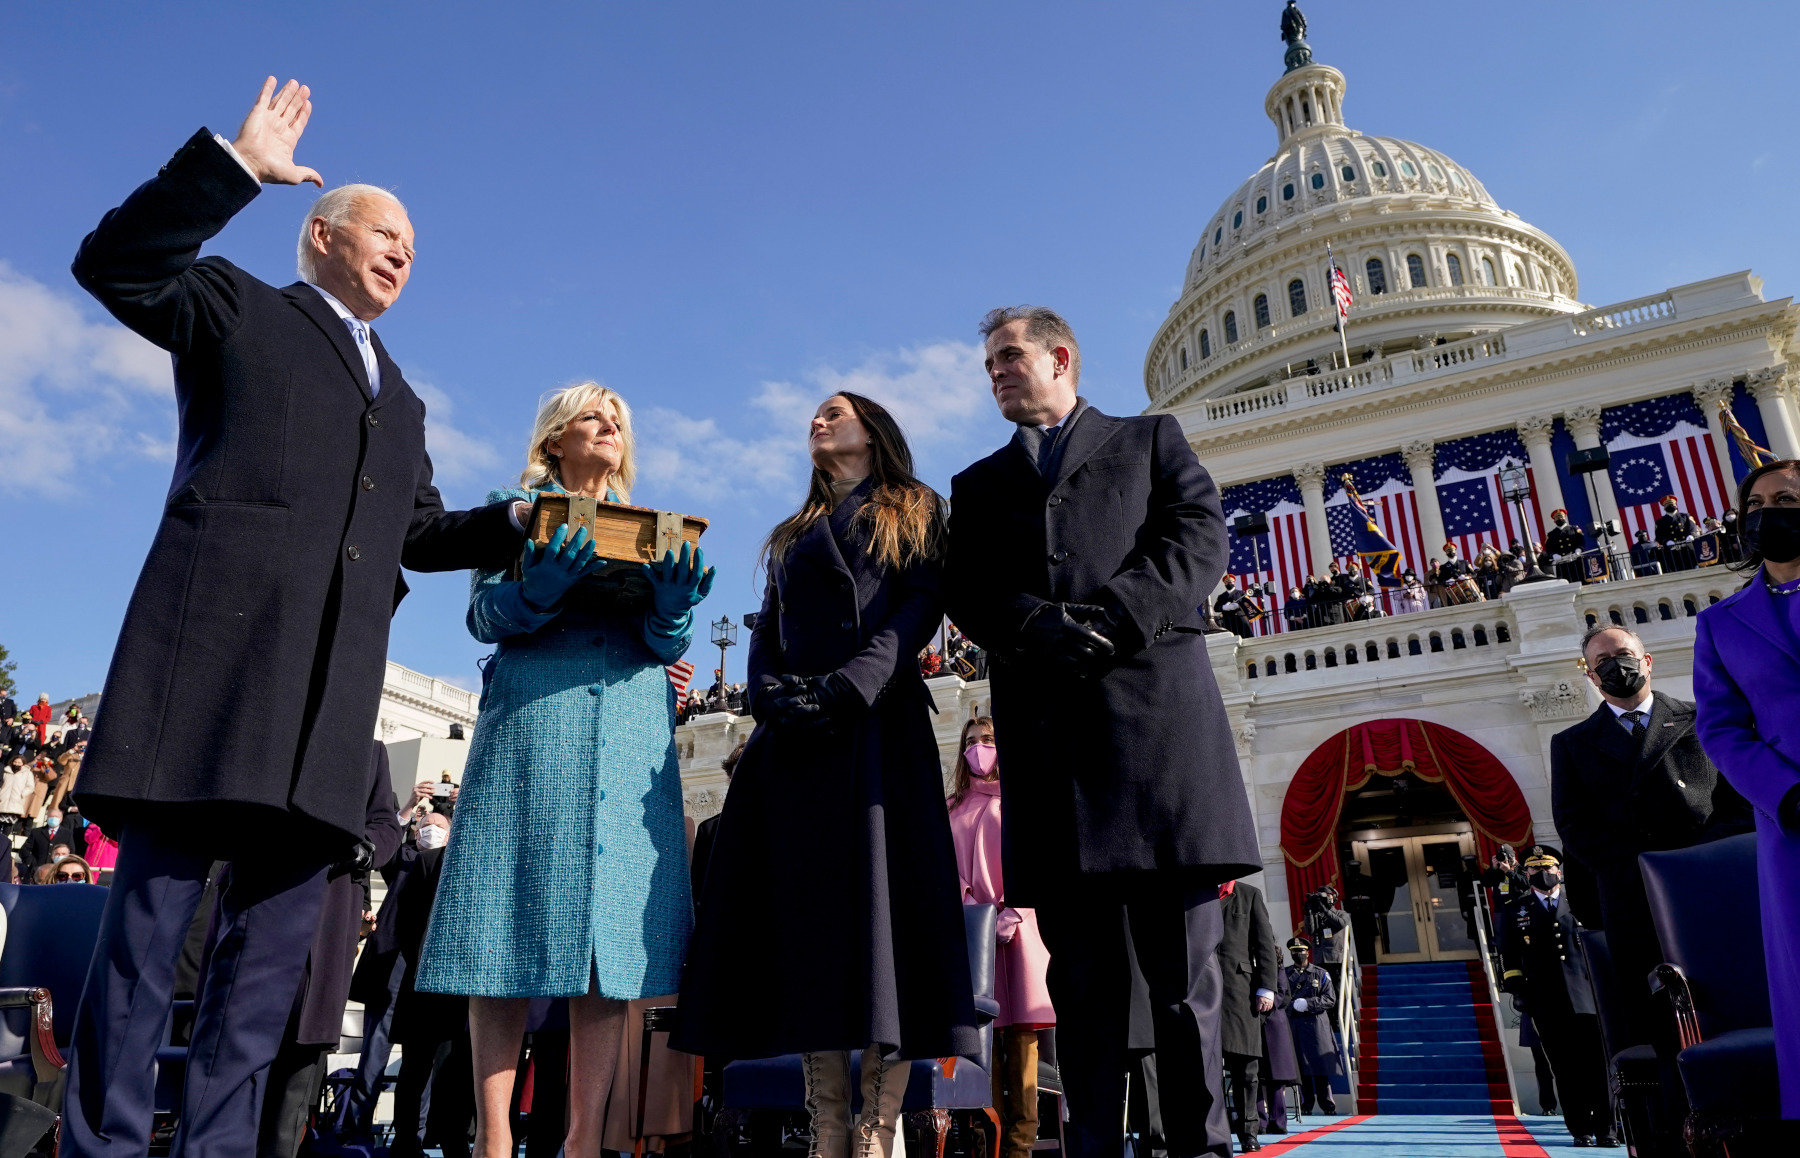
(959, 775)
(907, 516)
(1753, 558)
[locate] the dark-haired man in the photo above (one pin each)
(1080, 554)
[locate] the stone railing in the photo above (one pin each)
(1397, 645)
(1249, 402)
(1355, 378)
(407, 682)
(1459, 353)
(1641, 312)
(1657, 604)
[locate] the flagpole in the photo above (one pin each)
(1343, 313)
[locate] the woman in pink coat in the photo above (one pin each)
(1022, 960)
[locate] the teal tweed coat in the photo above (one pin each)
(575, 738)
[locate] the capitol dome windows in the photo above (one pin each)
(1349, 173)
(1406, 169)
(1287, 191)
(1205, 344)
(1261, 305)
(1230, 327)
(1218, 234)
(1296, 297)
(1380, 169)
(1437, 174)
(1184, 357)
(1487, 272)
(1377, 275)
(1237, 219)
(1318, 180)
(1455, 266)
(1415, 270)
(1262, 204)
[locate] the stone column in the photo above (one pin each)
(1584, 424)
(1774, 400)
(1713, 395)
(1419, 456)
(1534, 432)
(1311, 477)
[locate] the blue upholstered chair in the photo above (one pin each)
(1705, 904)
(941, 1093)
(1631, 1070)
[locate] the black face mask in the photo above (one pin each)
(1774, 533)
(1559, 522)
(1545, 879)
(1621, 675)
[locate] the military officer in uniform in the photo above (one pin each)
(1674, 530)
(1563, 543)
(1544, 965)
(1312, 1000)
(1229, 607)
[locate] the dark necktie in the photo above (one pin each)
(1634, 723)
(1046, 454)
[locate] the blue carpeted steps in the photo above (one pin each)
(1423, 1048)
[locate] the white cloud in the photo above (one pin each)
(455, 454)
(73, 392)
(937, 392)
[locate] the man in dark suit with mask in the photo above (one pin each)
(1633, 778)
(1080, 555)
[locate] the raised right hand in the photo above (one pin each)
(549, 571)
(270, 131)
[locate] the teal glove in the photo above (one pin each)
(678, 584)
(549, 571)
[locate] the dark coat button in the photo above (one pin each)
(1055, 500)
(846, 625)
(352, 551)
(368, 483)
(374, 421)
(1058, 556)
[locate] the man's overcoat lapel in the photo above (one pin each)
(307, 301)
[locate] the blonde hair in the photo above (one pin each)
(564, 406)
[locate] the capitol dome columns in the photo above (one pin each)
(1535, 433)
(1774, 402)
(1311, 477)
(1584, 426)
(1419, 456)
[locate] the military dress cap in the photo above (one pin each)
(1563, 511)
(1299, 943)
(1542, 859)
(1667, 499)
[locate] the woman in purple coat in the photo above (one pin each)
(1747, 688)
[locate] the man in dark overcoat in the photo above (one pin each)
(1312, 1005)
(1633, 778)
(380, 970)
(1280, 1068)
(317, 1022)
(1247, 967)
(243, 691)
(1080, 554)
(1543, 963)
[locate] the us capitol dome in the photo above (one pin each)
(1429, 254)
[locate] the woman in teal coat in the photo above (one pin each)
(577, 727)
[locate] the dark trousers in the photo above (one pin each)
(294, 1081)
(1315, 1090)
(1572, 1042)
(377, 1047)
(1271, 1109)
(439, 1074)
(1244, 1069)
(1129, 976)
(268, 911)
(1546, 1078)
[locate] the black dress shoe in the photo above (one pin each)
(1582, 1141)
(1608, 1141)
(1247, 1144)
(1277, 1132)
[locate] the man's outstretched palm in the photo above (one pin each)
(272, 129)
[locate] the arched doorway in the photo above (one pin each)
(1410, 799)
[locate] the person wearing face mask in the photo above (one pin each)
(1675, 530)
(1564, 542)
(1646, 557)
(1747, 686)
(1631, 778)
(1021, 961)
(1312, 1001)
(1543, 963)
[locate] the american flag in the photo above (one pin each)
(1282, 551)
(681, 674)
(1340, 287)
(1661, 447)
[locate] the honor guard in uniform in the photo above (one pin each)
(1674, 530)
(1229, 607)
(1563, 543)
(1544, 965)
(1312, 999)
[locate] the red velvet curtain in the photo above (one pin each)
(1479, 783)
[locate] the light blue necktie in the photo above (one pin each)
(360, 330)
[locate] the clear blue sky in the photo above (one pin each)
(725, 211)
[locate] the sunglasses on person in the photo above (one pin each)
(71, 876)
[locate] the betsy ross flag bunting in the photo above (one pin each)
(1661, 446)
(681, 674)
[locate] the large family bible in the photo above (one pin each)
(623, 535)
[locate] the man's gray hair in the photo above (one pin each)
(1043, 325)
(1598, 628)
(335, 207)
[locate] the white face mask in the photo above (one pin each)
(433, 836)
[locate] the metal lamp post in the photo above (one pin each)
(724, 635)
(1515, 488)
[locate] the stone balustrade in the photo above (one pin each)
(1640, 312)
(1415, 644)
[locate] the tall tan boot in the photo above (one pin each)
(1016, 1089)
(828, 1103)
(883, 1088)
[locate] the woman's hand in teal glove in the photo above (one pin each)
(678, 584)
(549, 571)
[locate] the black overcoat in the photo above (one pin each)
(1614, 798)
(831, 913)
(1134, 770)
(1279, 1065)
(381, 949)
(1247, 962)
(420, 1017)
(249, 667)
(1313, 1040)
(325, 987)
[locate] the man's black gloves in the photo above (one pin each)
(360, 860)
(1069, 637)
(813, 701)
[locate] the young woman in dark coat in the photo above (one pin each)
(830, 917)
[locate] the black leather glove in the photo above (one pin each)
(1067, 636)
(360, 860)
(814, 701)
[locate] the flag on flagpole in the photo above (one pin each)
(1340, 287)
(1375, 549)
(1752, 454)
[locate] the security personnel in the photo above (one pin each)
(1563, 543)
(1545, 966)
(1229, 607)
(1674, 529)
(1311, 1002)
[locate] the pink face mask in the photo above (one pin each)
(982, 760)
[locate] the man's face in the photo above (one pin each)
(1609, 643)
(1033, 386)
(365, 262)
(54, 819)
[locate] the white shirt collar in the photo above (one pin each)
(337, 307)
(1643, 705)
(1049, 426)
(1549, 898)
